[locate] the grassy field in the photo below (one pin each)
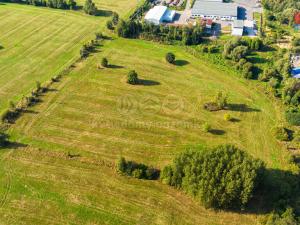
(63, 172)
(40, 42)
(120, 6)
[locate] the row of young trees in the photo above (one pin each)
(57, 4)
(89, 6)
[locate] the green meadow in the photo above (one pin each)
(38, 43)
(62, 170)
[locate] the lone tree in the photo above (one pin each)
(104, 62)
(222, 177)
(90, 7)
(132, 77)
(170, 57)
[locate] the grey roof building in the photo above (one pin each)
(214, 10)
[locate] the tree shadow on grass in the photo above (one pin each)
(217, 132)
(29, 111)
(241, 108)
(111, 66)
(16, 145)
(148, 82)
(279, 190)
(181, 62)
(104, 13)
(235, 120)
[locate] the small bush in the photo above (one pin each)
(132, 77)
(170, 57)
(137, 170)
(293, 116)
(281, 133)
(110, 25)
(104, 62)
(221, 100)
(219, 103)
(227, 117)
(206, 127)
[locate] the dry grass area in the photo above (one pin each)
(64, 169)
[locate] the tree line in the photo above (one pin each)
(89, 6)
(281, 11)
(187, 35)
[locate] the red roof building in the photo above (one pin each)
(297, 18)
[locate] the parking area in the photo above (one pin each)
(247, 8)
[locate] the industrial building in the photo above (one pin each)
(214, 9)
(237, 28)
(160, 14)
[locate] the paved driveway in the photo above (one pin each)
(247, 8)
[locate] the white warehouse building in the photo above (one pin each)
(215, 10)
(160, 14)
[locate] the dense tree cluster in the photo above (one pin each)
(281, 11)
(238, 49)
(222, 177)
(167, 34)
(137, 170)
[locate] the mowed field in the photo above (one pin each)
(38, 43)
(62, 169)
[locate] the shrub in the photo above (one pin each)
(239, 52)
(104, 62)
(9, 115)
(268, 74)
(137, 173)
(137, 170)
(219, 103)
(115, 18)
(99, 36)
(206, 127)
(221, 100)
(227, 117)
(286, 218)
(110, 25)
(84, 52)
(132, 78)
(170, 57)
(248, 70)
(281, 133)
(90, 7)
(222, 177)
(293, 116)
